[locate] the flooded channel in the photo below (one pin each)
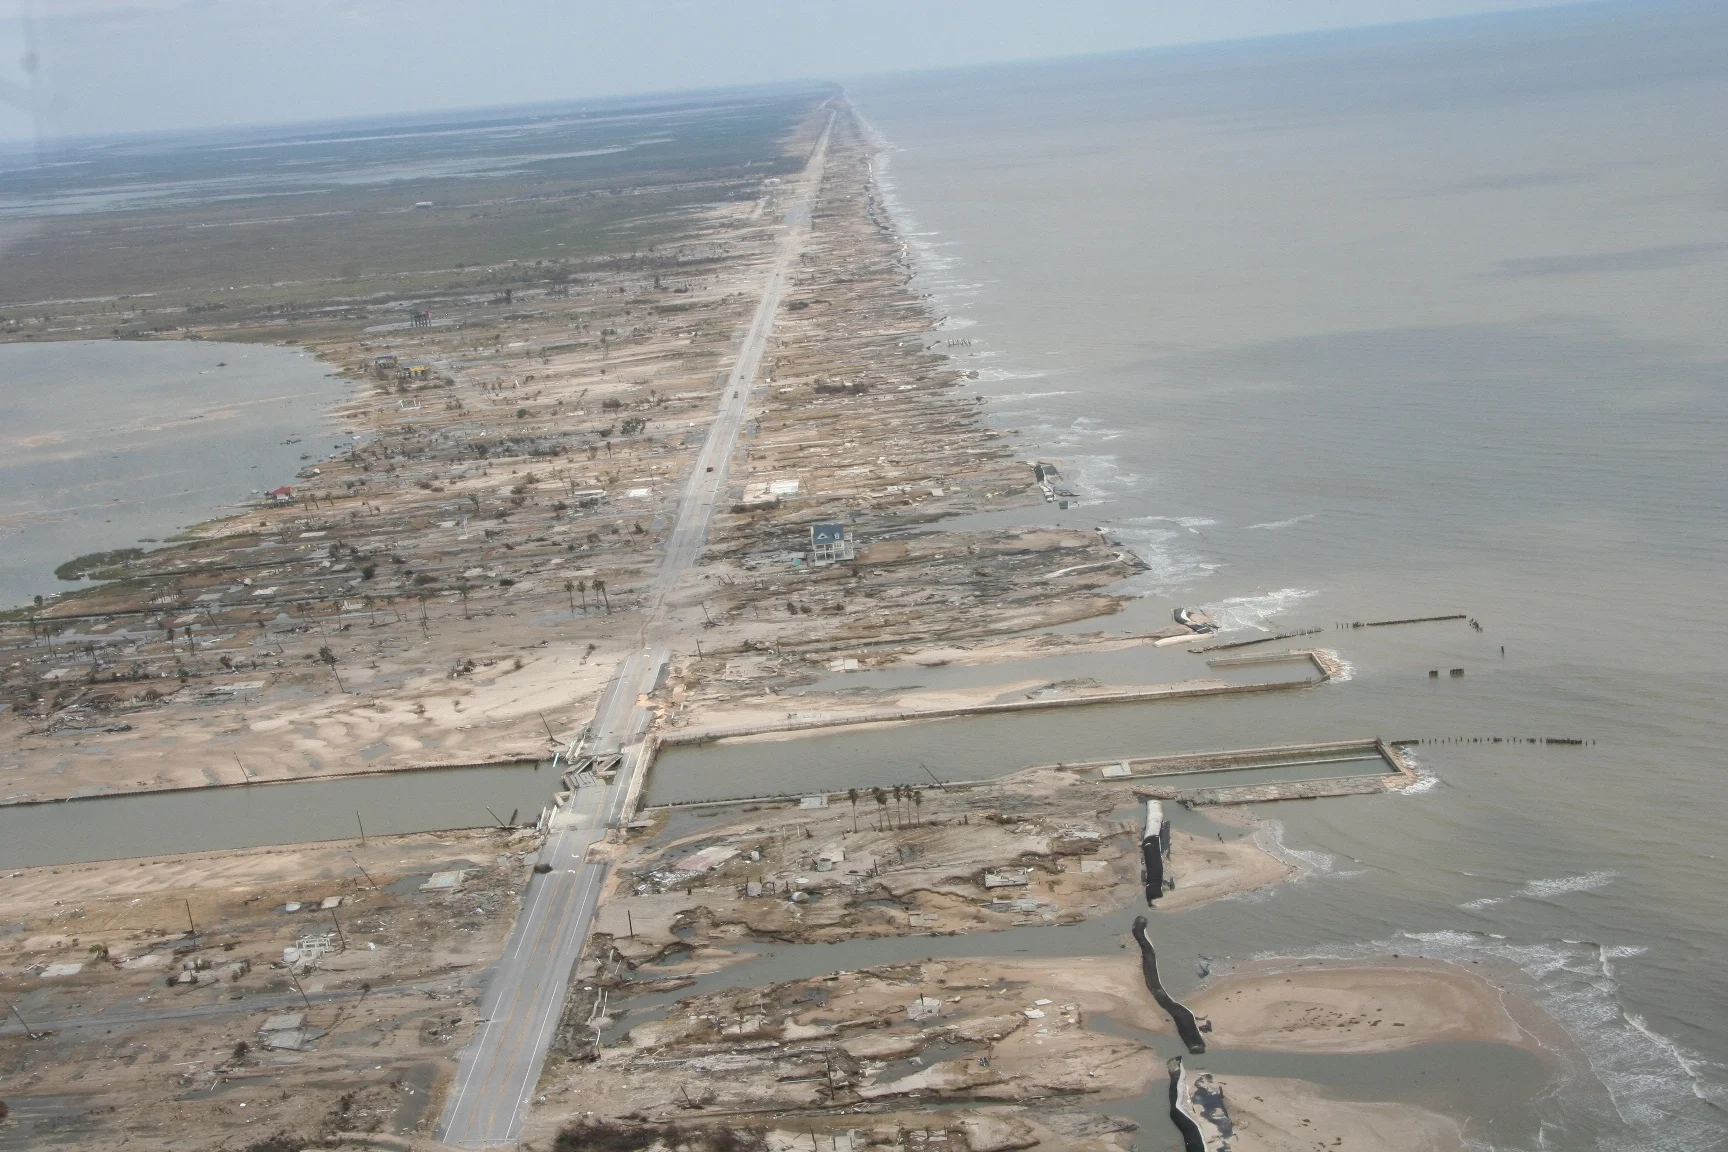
(983, 747)
(208, 819)
(1493, 1085)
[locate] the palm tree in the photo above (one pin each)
(570, 591)
(462, 589)
(582, 587)
(882, 803)
(325, 656)
(600, 587)
(852, 795)
(918, 804)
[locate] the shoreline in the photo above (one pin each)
(151, 435)
(475, 497)
(376, 507)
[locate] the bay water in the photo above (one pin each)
(109, 444)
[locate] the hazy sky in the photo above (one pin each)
(131, 65)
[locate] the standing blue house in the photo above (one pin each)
(829, 543)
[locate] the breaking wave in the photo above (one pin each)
(1274, 525)
(1305, 863)
(1633, 1090)
(1101, 477)
(997, 375)
(1308, 862)
(1192, 523)
(1095, 430)
(1169, 565)
(1256, 613)
(1542, 889)
(1426, 780)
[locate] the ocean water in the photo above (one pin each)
(1397, 323)
(104, 443)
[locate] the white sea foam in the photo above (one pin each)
(1100, 477)
(1255, 613)
(1274, 525)
(1426, 780)
(1094, 430)
(1305, 864)
(1620, 952)
(1308, 862)
(1169, 564)
(1653, 1086)
(1542, 889)
(1000, 375)
(1007, 397)
(1192, 523)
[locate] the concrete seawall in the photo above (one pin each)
(1151, 695)
(1283, 790)
(1144, 769)
(1341, 751)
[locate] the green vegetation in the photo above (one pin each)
(97, 565)
(593, 182)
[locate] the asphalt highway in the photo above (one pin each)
(499, 1068)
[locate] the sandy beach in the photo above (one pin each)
(1339, 1006)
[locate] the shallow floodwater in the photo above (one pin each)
(207, 819)
(1488, 1085)
(104, 443)
(1385, 324)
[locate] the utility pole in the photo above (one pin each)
(307, 1001)
(362, 824)
(193, 923)
(364, 873)
(29, 1032)
(340, 939)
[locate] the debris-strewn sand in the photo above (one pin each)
(1039, 847)
(1276, 1115)
(458, 584)
(960, 1048)
(887, 1041)
(1345, 1006)
(163, 1032)
(1206, 869)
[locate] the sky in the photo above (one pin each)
(103, 66)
